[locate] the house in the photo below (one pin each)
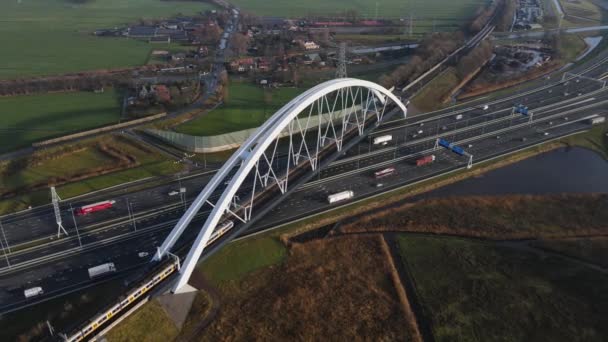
(263, 65)
(141, 31)
(312, 58)
(144, 92)
(162, 93)
(242, 64)
(310, 45)
(160, 53)
(160, 39)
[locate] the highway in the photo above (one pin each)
(60, 265)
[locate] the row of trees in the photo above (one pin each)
(474, 59)
(431, 51)
(504, 10)
(87, 82)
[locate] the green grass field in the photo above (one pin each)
(42, 37)
(242, 257)
(474, 291)
(386, 8)
(30, 118)
(246, 108)
(150, 324)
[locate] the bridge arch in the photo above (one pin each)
(344, 108)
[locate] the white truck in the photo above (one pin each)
(101, 269)
(340, 196)
(383, 139)
(33, 292)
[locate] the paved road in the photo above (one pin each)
(111, 236)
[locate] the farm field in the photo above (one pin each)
(29, 118)
(582, 9)
(53, 37)
(247, 107)
(477, 291)
(388, 8)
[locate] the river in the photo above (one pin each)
(565, 170)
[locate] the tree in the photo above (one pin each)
(225, 93)
(351, 15)
(295, 76)
(239, 43)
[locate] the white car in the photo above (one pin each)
(142, 254)
(173, 193)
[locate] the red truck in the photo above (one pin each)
(91, 208)
(425, 160)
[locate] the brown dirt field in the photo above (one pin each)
(329, 290)
(505, 217)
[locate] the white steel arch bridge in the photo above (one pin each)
(307, 133)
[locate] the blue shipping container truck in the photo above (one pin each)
(458, 150)
(444, 143)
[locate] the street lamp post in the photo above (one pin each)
(75, 225)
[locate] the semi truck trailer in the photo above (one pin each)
(101, 269)
(91, 208)
(425, 160)
(340, 196)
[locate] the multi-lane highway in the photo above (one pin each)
(141, 219)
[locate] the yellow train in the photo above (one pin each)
(118, 307)
(103, 317)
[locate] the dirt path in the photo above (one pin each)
(526, 246)
(424, 324)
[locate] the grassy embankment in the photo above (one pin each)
(152, 326)
(247, 107)
(428, 98)
(96, 164)
(30, 118)
(472, 290)
(51, 37)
